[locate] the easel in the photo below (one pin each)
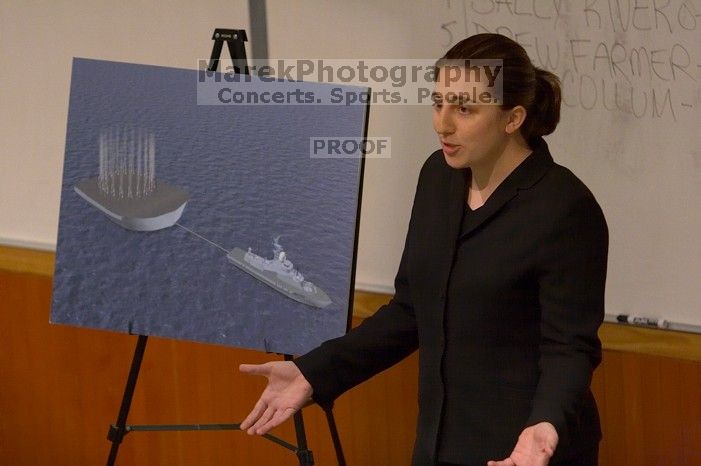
(235, 39)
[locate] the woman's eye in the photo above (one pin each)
(464, 110)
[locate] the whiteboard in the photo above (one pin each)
(629, 127)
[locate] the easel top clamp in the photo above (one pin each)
(234, 39)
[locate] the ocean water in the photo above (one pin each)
(250, 179)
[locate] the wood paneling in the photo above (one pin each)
(650, 410)
(27, 260)
(651, 341)
(60, 388)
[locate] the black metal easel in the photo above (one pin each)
(235, 39)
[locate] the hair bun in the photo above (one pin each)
(545, 110)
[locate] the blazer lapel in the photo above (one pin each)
(529, 172)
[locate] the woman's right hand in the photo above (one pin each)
(287, 392)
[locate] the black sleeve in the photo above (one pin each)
(571, 294)
(379, 342)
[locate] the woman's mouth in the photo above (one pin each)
(449, 149)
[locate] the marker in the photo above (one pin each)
(643, 321)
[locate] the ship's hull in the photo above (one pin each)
(162, 209)
(319, 299)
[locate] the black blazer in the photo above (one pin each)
(504, 315)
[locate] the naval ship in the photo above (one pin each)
(279, 273)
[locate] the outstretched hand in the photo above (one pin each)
(535, 446)
(287, 392)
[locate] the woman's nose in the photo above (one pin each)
(444, 123)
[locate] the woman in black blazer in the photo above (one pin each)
(500, 286)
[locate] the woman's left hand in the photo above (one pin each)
(535, 447)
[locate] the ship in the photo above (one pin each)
(279, 273)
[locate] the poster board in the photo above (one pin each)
(212, 223)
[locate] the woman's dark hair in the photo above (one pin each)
(537, 90)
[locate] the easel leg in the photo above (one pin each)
(118, 430)
(334, 436)
(303, 453)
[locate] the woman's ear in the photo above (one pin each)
(517, 116)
